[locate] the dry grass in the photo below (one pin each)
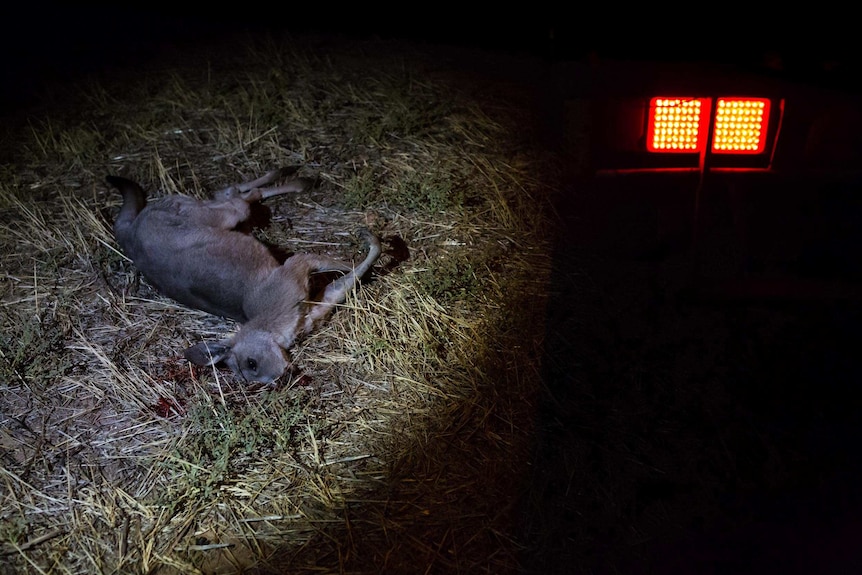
(399, 446)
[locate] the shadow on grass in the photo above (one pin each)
(449, 502)
(677, 438)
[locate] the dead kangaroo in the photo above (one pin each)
(190, 251)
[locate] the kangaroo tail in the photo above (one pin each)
(134, 201)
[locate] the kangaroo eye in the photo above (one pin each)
(251, 363)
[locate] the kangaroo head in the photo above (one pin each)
(252, 354)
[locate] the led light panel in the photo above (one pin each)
(740, 125)
(676, 124)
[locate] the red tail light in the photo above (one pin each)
(680, 125)
(740, 125)
(677, 124)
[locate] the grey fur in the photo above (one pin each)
(190, 251)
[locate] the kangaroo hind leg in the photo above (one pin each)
(254, 190)
(336, 292)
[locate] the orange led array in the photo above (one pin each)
(676, 124)
(740, 125)
(680, 125)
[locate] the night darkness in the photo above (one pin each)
(808, 523)
(54, 40)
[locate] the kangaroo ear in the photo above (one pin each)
(208, 353)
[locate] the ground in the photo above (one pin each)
(681, 438)
(532, 389)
